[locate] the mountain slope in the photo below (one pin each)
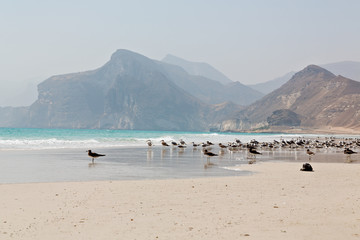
(197, 69)
(315, 95)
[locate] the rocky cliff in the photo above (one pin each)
(128, 92)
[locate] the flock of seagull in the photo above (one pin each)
(347, 144)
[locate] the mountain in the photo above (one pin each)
(349, 69)
(312, 98)
(209, 90)
(197, 69)
(269, 86)
(128, 92)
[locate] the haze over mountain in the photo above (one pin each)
(130, 91)
(349, 69)
(197, 69)
(206, 83)
(313, 98)
(269, 86)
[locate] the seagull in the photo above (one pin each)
(222, 145)
(310, 153)
(149, 143)
(195, 145)
(164, 143)
(349, 151)
(210, 154)
(94, 155)
(253, 151)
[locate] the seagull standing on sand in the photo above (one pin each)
(94, 155)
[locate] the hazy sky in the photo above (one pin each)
(249, 41)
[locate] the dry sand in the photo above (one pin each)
(278, 202)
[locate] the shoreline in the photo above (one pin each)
(276, 202)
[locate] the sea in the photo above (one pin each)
(59, 155)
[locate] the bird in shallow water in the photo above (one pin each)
(164, 143)
(253, 151)
(195, 145)
(210, 154)
(310, 153)
(348, 152)
(94, 155)
(149, 143)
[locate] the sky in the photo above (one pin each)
(249, 41)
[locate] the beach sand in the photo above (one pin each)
(277, 202)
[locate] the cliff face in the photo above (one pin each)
(315, 95)
(128, 92)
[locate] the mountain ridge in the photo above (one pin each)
(315, 95)
(197, 68)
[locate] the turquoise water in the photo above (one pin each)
(59, 155)
(23, 138)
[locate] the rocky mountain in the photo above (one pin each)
(130, 91)
(197, 69)
(313, 97)
(269, 86)
(348, 69)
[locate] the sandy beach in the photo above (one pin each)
(277, 202)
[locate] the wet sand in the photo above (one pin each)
(141, 163)
(276, 202)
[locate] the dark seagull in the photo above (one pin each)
(94, 155)
(310, 153)
(208, 154)
(253, 152)
(349, 152)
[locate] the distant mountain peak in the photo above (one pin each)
(197, 68)
(124, 54)
(314, 69)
